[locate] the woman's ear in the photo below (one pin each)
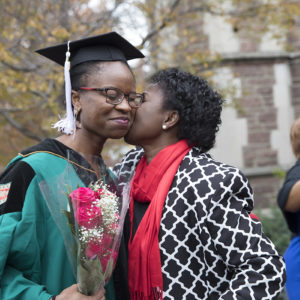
(171, 119)
(76, 101)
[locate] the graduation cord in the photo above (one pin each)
(49, 152)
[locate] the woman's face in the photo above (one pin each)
(149, 118)
(99, 118)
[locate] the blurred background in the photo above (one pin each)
(248, 50)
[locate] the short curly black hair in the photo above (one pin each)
(198, 105)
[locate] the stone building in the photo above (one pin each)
(266, 79)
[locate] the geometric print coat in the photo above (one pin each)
(210, 247)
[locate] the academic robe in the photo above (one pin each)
(33, 257)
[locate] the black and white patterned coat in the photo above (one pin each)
(210, 247)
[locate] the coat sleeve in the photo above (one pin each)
(124, 170)
(258, 271)
(19, 245)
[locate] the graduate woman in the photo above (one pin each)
(33, 258)
(191, 234)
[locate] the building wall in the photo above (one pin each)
(265, 80)
(256, 138)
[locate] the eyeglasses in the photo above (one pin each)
(115, 96)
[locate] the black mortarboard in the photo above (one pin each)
(105, 47)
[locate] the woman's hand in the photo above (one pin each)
(71, 293)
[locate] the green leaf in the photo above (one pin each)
(90, 276)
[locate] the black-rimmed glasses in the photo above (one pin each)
(115, 96)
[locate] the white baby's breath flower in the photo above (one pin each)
(109, 208)
(85, 234)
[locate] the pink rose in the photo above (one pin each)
(100, 248)
(106, 241)
(88, 216)
(98, 193)
(82, 196)
(94, 249)
(105, 260)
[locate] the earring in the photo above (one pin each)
(164, 127)
(77, 122)
(78, 125)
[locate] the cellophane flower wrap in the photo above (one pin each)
(95, 218)
(90, 217)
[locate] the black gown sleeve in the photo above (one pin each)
(15, 179)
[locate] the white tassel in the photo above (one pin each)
(67, 124)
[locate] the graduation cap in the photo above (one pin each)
(106, 47)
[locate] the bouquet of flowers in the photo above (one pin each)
(94, 221)
(90, 215)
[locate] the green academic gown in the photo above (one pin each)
(33, 258)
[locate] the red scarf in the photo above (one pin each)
(151, 183)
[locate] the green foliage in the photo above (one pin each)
(275, 227)
(32, 87)
(70, 214)
(89, 274)
(282, 296)
(279, 173)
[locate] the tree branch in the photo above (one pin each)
(162, 25)
(10, 109)
(250, 11)
(19, 109)
(19, 68)
(20, 128)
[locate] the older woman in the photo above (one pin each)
(33, 258)
(191, 233)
